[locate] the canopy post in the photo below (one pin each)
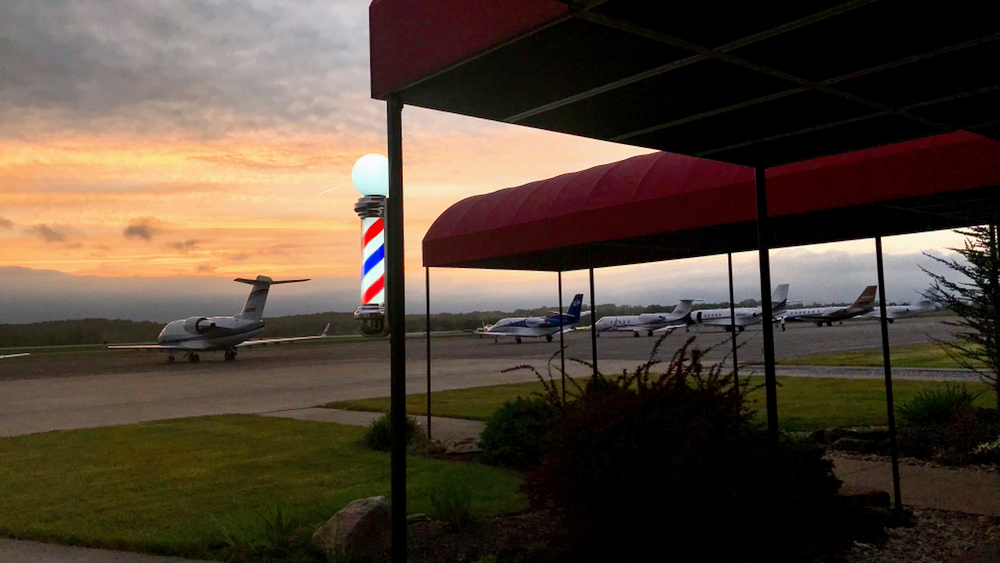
(770, 381)
(396, 293)
(593, 323)
(732, 321)
(427, 316)
(891, 411)
(562, 346)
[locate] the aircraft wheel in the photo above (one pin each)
(517, 339)
(819, 324)
(649, 333)
(548, 338)
(740, 329)
(890, 320)
(635, 334)
(830, 324)
(170, 359)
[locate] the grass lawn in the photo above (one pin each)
(804, 403)
(910, 356)
(167, 487)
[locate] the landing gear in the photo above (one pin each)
(829, 323)
(230, 355)
(649, 333)
(193, 358)
(548, 338)
(820, 324)
(170, 358)
(635, 334)
(517, 339)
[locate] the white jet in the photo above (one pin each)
(536, 327)
(226, 333)
(893, 312)
(744, 315)
(649, 323)
(827, 315)
(15, 355)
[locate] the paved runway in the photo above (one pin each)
(49, 392)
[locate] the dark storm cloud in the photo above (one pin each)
(194, 65)
(6, 223)
(140, 229)
(49, 234)
(205, 268)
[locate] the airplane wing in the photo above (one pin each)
(14, 355)
(266, 341)
(142, 347)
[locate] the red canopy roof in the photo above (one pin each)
(753, 83)
(663, 206)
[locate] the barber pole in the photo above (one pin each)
(371, 178)
(372, 260)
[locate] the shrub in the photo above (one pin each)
(645, 462)
(270, 533)
(515, 434)
(378, 436)
(451, 503)
(937, 407)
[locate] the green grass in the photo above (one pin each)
(164, 487)
(911, 356)
(804, 403)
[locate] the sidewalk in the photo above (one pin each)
(972, 492)
(17, 551)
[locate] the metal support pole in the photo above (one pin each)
(732, 322)
(893, 448)
(397, 326)
(427, 315)
(562, 347)
(593, 323)
(763, 246)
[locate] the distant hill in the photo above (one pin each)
(97, 331)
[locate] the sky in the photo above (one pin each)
(152, 151)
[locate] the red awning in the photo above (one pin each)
(664, 206)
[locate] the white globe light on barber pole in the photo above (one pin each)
(371, 177)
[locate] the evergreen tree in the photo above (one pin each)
(976, 303)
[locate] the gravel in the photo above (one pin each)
(935, 536)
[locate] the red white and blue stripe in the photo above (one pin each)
(372, 260)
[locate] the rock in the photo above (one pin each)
(857, 445)
(827, 435)
(863, 497)
(417, 518)
(466, 446)
(866, 433)
(362, 528)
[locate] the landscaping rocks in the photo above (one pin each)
(935, 536)
(858, 445)
(362, 528)
(462, 447)
(863, 497)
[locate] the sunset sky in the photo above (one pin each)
(151, 148)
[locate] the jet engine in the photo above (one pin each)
(198, 325)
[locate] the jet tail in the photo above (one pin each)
(254, 307)
(779, 299)
(865, 301)
(575, 307)
(683, 307)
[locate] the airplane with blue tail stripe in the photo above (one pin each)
(537, 327)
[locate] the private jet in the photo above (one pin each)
(745, 316)
(893, 312)
(193, 335)
(650, 323)
(4, 357)
(536, 327)
(827, 315)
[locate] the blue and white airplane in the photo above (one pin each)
(227, 333)
(536, 326)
